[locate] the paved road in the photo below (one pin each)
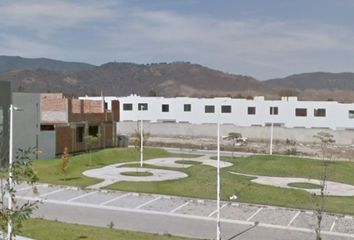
(181, 216)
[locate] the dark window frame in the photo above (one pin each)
(92, 131)
(187, 107)
(274, 110)
(226, 109)
(165, 107)
(251, 110)
(209, 108)
(301, 112)
(351, 114)
(143, 106)
(80, 134)
(130, 108)
(319, 112)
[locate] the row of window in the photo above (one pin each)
(299, 112)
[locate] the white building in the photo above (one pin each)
(287, 112)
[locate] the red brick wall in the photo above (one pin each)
(76, 106)
(53, 104)
(92, 106)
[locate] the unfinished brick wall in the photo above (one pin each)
(92, 106)
(76, 106)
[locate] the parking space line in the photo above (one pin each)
(179, 207)
(52, 192)
(113, 199)
(82, 196)
(254, 214)
(293, 219)
(213, 212)
(148, 202)
(333, 224)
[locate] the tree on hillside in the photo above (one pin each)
(326, 142)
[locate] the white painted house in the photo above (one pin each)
(287, 112)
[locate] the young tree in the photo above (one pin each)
(326, 141)
(236, 139)
(90, 141)
(137, 138)
(65, 159)
(22, 171)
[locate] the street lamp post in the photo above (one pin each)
(271, 131)
(218, 183)
(9, 223)
(142, 108)
(141, 143)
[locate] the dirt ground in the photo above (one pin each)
(339, 152)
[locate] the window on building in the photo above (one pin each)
(93, 130)
(273, 110)
(105, 105)
(251, 110)
(47, 127)
(319, 112)
(187, 107)
(301, 112)
(226, 109)
(165, 108)
(80, 132)
(209, 109)
(142, 106)
(128, 107)
(351, 114)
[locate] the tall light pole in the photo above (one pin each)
(9, 205)
(218, 183)
(142, 108)
(271, 130)
(141, 142)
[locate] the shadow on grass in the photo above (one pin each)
(69, 179)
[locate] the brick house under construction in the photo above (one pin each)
(73, 119)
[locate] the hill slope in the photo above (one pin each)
(173, 79)
(316, 80)
(10, 63)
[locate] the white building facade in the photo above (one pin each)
(287, 112)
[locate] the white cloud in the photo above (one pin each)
(262, 48)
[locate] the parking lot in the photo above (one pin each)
(188, 208)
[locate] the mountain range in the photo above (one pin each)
(166, 79)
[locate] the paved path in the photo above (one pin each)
(331, 189)
(181, 216)
(113, 173)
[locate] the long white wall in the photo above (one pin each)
(336, 114)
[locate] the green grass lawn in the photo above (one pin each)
(201, 180)
(40, 229)
(50, 170)
(304, 185)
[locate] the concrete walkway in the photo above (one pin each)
(113, 173)
(331, 189)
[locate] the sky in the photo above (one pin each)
(260, 38)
